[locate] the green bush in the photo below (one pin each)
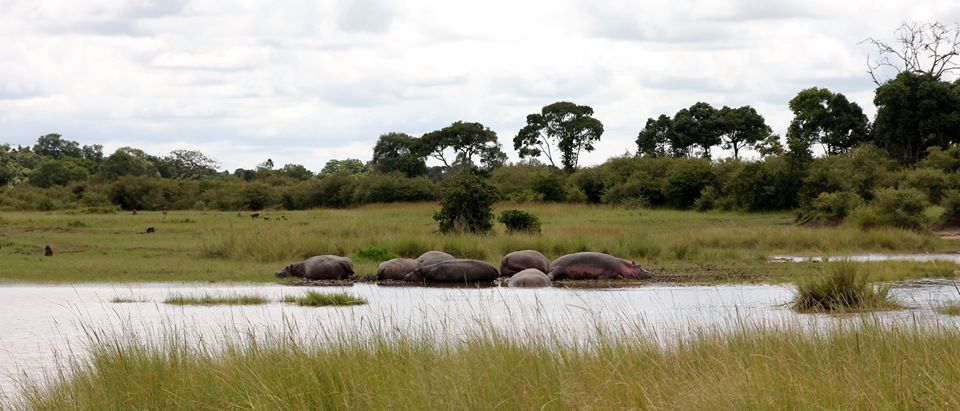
(640, 186)
(374, 253)
(685, 180)
(519, 221)
(255, 197)
(392, 188)
(931, 181)
(840, 286)
(550, 186)
(831, 208)
(466, 204)
(951, 209)
(892, 207)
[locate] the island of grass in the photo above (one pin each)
(840, 287)
(209, 299)
(318, 299)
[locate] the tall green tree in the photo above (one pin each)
(823, 117)
(398, 152)
(348, 166)
(568, 127)
(696, 130)
(916, 111)
(740, 128)
(188, 165)
(54, 146)
(656, 138)
(128, 161)
(471, 144)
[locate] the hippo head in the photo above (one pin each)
(635, 271)
(415, 276)
(292, 270)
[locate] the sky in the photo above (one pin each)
(303, 82)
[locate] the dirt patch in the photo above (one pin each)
(948, 235)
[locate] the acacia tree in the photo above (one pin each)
(921, 48)
(188, 165)
(467, 141)
(741, 128)
(656, 138)
(568, 127)
(398, 152)
(828, 118)
(696, 127)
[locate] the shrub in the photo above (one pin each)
(520, 221)
(685, 180)
(374, 253)
(930, 181)
(466, 204)
(753, 188)
(951, 209)
(638, 187)
(549, 185)
(391, 188)
(590, 182)
(901, 208)
(255, 197)
(840, 286)
(830, 208)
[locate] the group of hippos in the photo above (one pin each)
(526, 268)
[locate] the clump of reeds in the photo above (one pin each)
(840, 286)
(207, 299)
(122, 300)
(316, 299)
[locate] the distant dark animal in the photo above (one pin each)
(266, 218)
(433, 257)
(134, 211)
(321, 267)
(521, 260)
(151, 230)
(454, 271)
(396, 268)
(47, 251)
(530, 277)
(255, 215)
(283, 217)
(594, 266)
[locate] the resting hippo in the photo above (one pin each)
(456, 271)
(594, 266)
(433, 257)
(396, 268)
(521, 260)
(321, 267)
(530, 277)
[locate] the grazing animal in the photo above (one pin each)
(518, 261)
(396, 268)
(530, 277)
(255, 215)
(454, 271)
(433, 257)
(594, 266)
(320, 267)
(48, 251)
(151, 230)
(134, 211)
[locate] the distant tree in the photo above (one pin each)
(295, 171)
(128, 161)
(93, 153)
(466, 203)
(265, 165)
(823, 117)
(188, 165)
(55, 147)
(741, 128)
(655, 140)
(915, 112)
(58, 173)
(570, 128)
(696, 127)
(246, 175)
(770, 146)
(398, 152)
(472, 144)
(348, 166)
(918, 48)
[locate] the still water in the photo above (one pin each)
(43, 326)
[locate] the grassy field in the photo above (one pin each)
(857, 366)
(227, 246)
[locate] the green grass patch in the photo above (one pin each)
(207, 299)
(124, 300)
(949, 308)
(317, 299)
(841, 286)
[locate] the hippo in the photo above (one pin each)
(320, 267)
(396, 268)
(594, 266)
(458, 271)
(530, 277)
(433, 257)
(521, 260)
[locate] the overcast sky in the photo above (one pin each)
(307, 81)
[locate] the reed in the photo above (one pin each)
(317, 299)
(208, 299)
(841, 286)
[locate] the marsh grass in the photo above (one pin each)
(207, 299)
(124, 300)
(317, 299)
(952, 308)
(859, 366)
(841, 286)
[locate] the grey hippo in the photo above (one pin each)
(396, 268)
(320, 267)
(454, 271)
(594, 266)
(433, 257)
(518, 261)
(530, 277)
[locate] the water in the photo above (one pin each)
(954, 258)
(43, 325)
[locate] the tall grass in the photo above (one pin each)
(208, 299)
(841, 286)
(864, 366)
(316, 299)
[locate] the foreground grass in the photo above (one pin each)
(316, 299)
(207, 299)
(227, 246)
(863, 366)
(842, 286)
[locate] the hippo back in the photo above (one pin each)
(396, 268)
(530, 277)
(327, 267)
(590, 266)
(433, 257)
(521, 260)
(459, 271)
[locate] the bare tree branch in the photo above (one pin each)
(925, 48)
